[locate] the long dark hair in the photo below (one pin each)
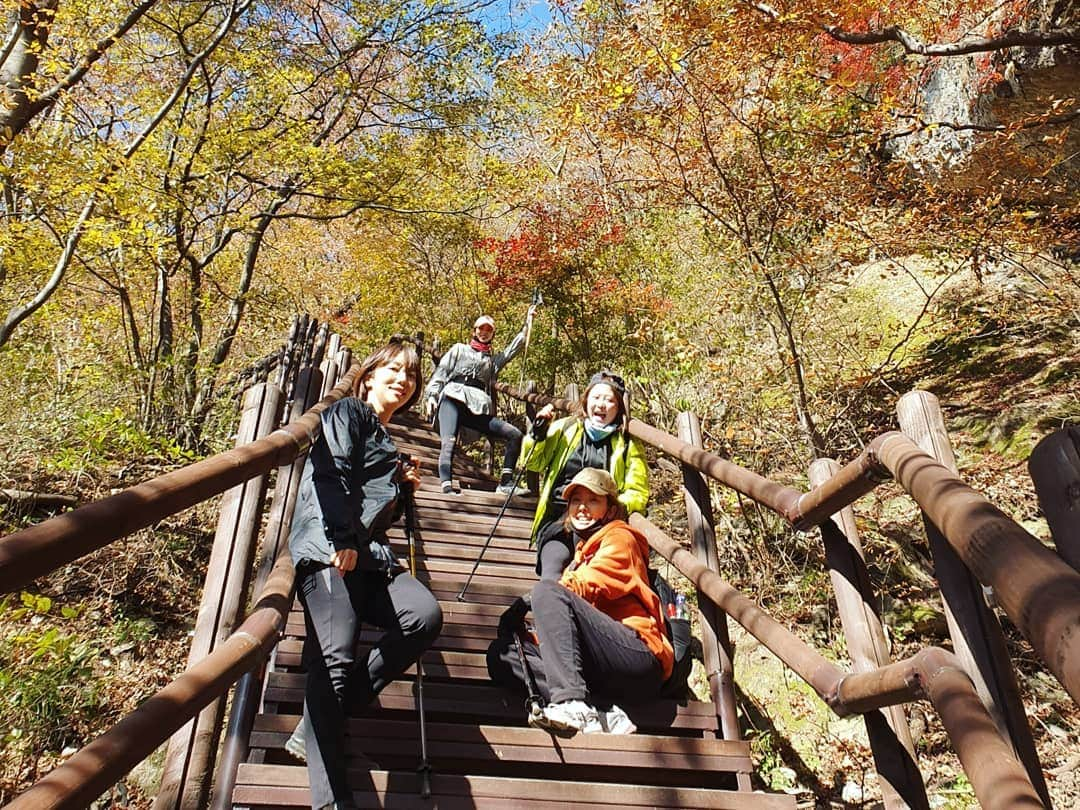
(385, 355)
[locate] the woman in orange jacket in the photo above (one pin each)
(600, 630)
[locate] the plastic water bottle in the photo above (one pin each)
(680, 607)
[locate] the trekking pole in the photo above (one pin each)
(490, 535)
(534, 703)
(424, 768)
(495, 525)
(537, 300)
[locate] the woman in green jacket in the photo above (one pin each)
(594, 436)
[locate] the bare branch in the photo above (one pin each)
(1012, 38)
(16, 118)
(21, 312)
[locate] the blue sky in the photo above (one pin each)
(518, 15)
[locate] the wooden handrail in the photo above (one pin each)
(1037, 590)
(999, 779)
(104, 761)
(37, 550)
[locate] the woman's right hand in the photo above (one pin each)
(546, 412)
(344, 560)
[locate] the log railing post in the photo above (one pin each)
(715, 641)
(420, 353)
(344, 360)
(978, 641)
(1055, 470)
(887, 729)
(247, 695)
(330, 373)
(190, 758)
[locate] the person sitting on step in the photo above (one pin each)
(458, 395)
(594, 436)
(599, 630)
(346, 573)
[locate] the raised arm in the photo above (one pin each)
(516, 345)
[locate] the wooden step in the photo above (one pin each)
(477, 702)
(439, 664)
(268, 787)
(492, 750)
(482, 752)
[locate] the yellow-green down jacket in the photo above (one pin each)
(626, 465)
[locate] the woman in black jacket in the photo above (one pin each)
(346, 572)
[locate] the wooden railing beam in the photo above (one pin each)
(716, 647)
(1055, 470)
(1037, 590)
(104, 761)
(37, 550)
(999, 779)
(890, 737)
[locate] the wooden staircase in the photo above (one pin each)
(481, 752)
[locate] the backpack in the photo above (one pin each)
(678, 633)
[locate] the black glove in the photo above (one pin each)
(539, 429)
(513, 618)
(383, 555)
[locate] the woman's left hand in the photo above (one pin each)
(411, 473)
(344, 560)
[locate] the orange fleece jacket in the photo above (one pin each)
(610, 572)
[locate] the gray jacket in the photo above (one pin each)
(349, 491)
(465, 374)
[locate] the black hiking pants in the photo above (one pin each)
(583, 654)
(335, 606)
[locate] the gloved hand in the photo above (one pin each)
(539, 428)
(513, 618)
(383, 556)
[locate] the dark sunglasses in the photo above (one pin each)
(614, 378)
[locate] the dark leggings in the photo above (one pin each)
(453, 415)
(586, 654)
(334, 608)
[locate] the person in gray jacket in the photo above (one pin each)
(350, 493)
(458, 395)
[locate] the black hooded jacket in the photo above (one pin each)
(349, 490)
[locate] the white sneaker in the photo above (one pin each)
(511, 490)
(616, 721)
(295, 745)
(569, 716)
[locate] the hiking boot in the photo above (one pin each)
(568, 718)
(616, 721)
(448, 488)
(295, 746)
